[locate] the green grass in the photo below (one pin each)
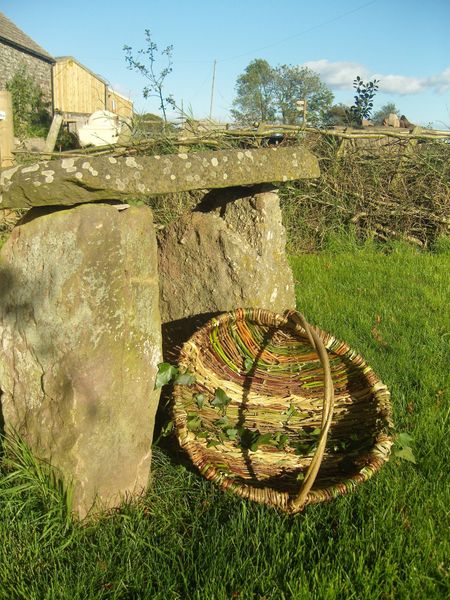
(188, 540)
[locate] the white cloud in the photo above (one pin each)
(400, 84)
(340, 76)
(441, 82)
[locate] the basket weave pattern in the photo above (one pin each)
(270, 369)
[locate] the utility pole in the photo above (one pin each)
(212, 89)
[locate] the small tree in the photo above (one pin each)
(149, 71)
(31, 114)
(365, 93)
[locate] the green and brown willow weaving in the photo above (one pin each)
(280, 412)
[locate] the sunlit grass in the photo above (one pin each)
(188, 540)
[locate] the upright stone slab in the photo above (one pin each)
(80, 342)
(232, 255)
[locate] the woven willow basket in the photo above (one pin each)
(280, 412)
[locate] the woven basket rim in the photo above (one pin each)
(380, 396)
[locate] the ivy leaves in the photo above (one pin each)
(226, 429)
(299, 438)
(220, 400)
(167, 373)
(308, 442)
(199, 400)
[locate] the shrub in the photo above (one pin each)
(30, 110)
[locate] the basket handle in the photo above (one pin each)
(299, 500)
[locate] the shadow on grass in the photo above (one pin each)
(2, 428)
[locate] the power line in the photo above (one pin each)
(313, 28)
(273, 44)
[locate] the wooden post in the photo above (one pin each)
(342, 147)
(6, 130)
(53, 134)
(406, 154)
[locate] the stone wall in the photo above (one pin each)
(12, 59)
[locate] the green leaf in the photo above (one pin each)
(199, 400)
(248, 364)
(165, 373)
(185, 379)
(265, 438)
(403, 439)
(305, 448)
(301, 448)
(316, 431)
(405, 454)
(402, 447)
(281, 440)
(212, 443)
(194, 423)
(248, 437)
(220, 400)
(167, 429)
(291, 412)
(262, 439)
(231, 434)
(222, 422)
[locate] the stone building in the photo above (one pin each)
(18, 49)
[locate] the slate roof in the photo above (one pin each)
(12, 35)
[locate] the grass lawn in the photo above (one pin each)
(189, 540)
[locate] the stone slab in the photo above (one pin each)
(76, 180)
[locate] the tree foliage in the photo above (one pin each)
(254, 88)
(31, 114)
(265, 93)
(338, 115)
(300, 83)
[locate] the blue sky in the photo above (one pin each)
(403, 43)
